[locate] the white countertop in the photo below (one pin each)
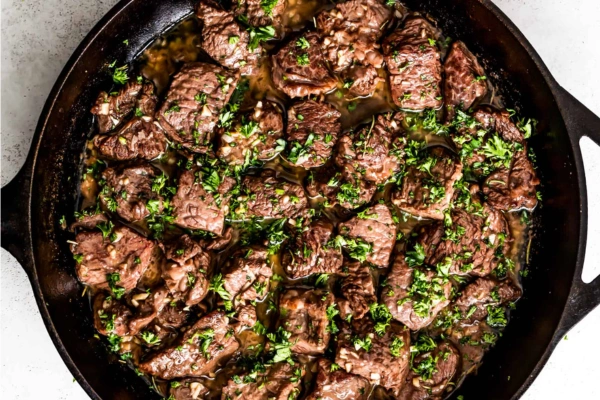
(39, 36)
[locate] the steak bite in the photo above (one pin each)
(372, 151)
(413, 61)
(473, 244)
(259, 12)
(111, 315)
(428, 185)
(312, 130)
(303, 313)
(357, 290)
(424, 382)
(465, 79)
(310, 253)
(351, 31)
(299, 69)
(494, 120)
(415, 295)
(201, 200)
(223, 38)
(483, 293)
(338, 384)
(256, 136)
(112, 260)
(280, 381)
(374, 226)
(244, 277)
(173, 315)
(361, 80)
(346, 188)
(383, 360)
(188, 389)
(493, 147)
(208, 344)
(138, 138)
(128, 191)
(514, 188)
(268, 197)
(195, 98)
(88, 221)
(186, 270)
(111, 110)
(147, 306)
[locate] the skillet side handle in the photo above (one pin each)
(15, 207)
(579, 119)
(584, 297)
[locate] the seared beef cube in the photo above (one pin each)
(217, 243)
(312, 130)
(257, 136)
(88, 222)
(173, 315)
(474, 245)
(190, 113)
(483, 292)
(514, 188)
(269, 197)
(188, 389)
(260, 12)
(146, 305)
(498, 121)
(245, 276)
(201, 201)
(372, 151)
(208, 344)
(223, 38)
(472, 341)
(338, 384)
(114, 261)
(111, 315)
(465, 79)
(357, 290)
(110, 110)
(280, 381)
(181, 249)
(310, 252)
(303, 313)
(361, 80)
(136, 139)
(383, 360)
(245, 317)
(348, 189)
(186, 272)
(428, 185)
(426, 383)
(512, 183)
(146, 102)
(413, 61)
(299, 68)
(128, 191)
(415, 295)
(374, 226)
(351, 31)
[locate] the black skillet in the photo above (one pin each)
(46, 188)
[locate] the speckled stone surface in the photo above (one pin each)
(38, 38)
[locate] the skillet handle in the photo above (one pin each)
(579, 119)
(16, 203)
(583, 297)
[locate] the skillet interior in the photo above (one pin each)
(54, 193)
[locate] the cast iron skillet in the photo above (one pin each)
(47, 187)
